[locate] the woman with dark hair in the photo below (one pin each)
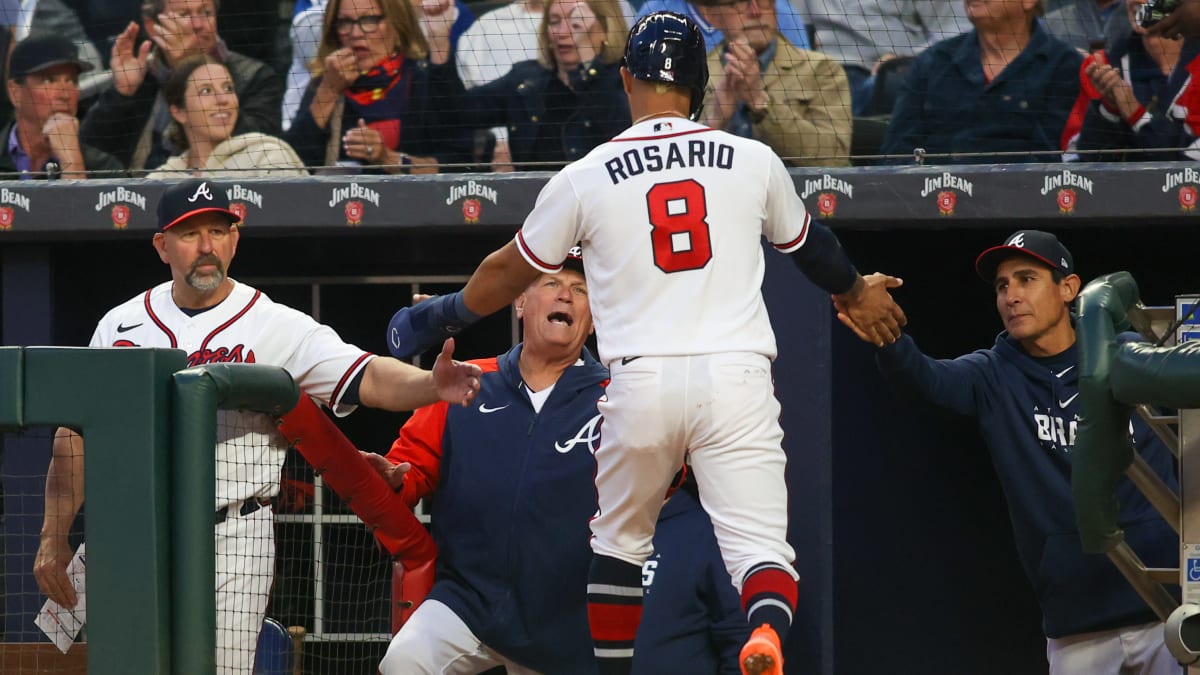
(203, 103)
(559, 106)
(368, 101)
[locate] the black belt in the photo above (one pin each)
(249, 506)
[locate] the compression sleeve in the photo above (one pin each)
(824, 262)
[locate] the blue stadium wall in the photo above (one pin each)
(899, 525)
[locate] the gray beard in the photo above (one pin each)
(206, 283)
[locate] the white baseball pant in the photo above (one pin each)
(1133, 650)
(720, 409)
(245, 571)
(435, 641)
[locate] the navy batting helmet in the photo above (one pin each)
(668, 47)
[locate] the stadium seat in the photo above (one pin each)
(888, 78)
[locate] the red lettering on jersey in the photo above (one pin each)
(124, 343)
(220, 355)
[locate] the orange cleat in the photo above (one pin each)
(762, 654)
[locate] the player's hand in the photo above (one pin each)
(175, 37)
(872, 313)
(364, 143)
(456, 382)
(341, 70)
(50, 569)
(585, 32)
(1183, 22)
(128, 61)
(392, 473)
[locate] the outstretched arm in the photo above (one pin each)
(498, 280)
(64, 496)
(391, 384)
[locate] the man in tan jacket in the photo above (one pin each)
(763, 87)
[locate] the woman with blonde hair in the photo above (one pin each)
(203, 104)
(368, 102)
(559, 106)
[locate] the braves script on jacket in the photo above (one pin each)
(247, 327)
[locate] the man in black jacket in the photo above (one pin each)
(43, 140)
(129, 119)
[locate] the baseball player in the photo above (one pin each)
(670, 214)
(1023, 394)
(215, 319)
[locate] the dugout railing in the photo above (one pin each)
(150, 488)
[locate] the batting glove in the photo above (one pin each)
(427, 324)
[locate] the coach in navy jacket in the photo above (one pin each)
(1027, 406)
(510, 482)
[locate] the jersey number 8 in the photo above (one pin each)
(679, 231)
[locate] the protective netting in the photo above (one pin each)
(290, 88)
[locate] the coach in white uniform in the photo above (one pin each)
(218, 320)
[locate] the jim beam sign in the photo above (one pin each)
(1066, 187)
(946, 188)
(1183, 182)
(827, 188)
(355, 196)
(471, 193)
(10, 201)
(118, 201)
(240, 197)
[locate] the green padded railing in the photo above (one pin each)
(198, 393)
(1114, 378)
(119, 400)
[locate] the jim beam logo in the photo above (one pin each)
(1185, 180)
(239, 197)
(827, 188)
(10, 200)
(120, 199)
(471, 193)
(354, 195)
(947, 187)
(1066, 183)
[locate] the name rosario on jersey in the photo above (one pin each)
(636, 161)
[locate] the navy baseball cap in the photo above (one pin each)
(40, 52)
(192, 197)
(1041, 246)
(574, 259)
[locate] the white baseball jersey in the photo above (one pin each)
(247, 327)
(670, 215)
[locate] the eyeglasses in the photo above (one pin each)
(367, 24)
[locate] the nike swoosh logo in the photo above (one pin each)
(1063, 404)
(122, 329)
(1064, 372)
(485, 410)
(629, 359)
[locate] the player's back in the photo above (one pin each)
(671, 218)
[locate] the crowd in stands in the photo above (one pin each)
(155, 87)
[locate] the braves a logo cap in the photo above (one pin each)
(1041, 246)
(574, 259)
(191, 197)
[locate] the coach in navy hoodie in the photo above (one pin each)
(1024, 394)
(510, 481)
